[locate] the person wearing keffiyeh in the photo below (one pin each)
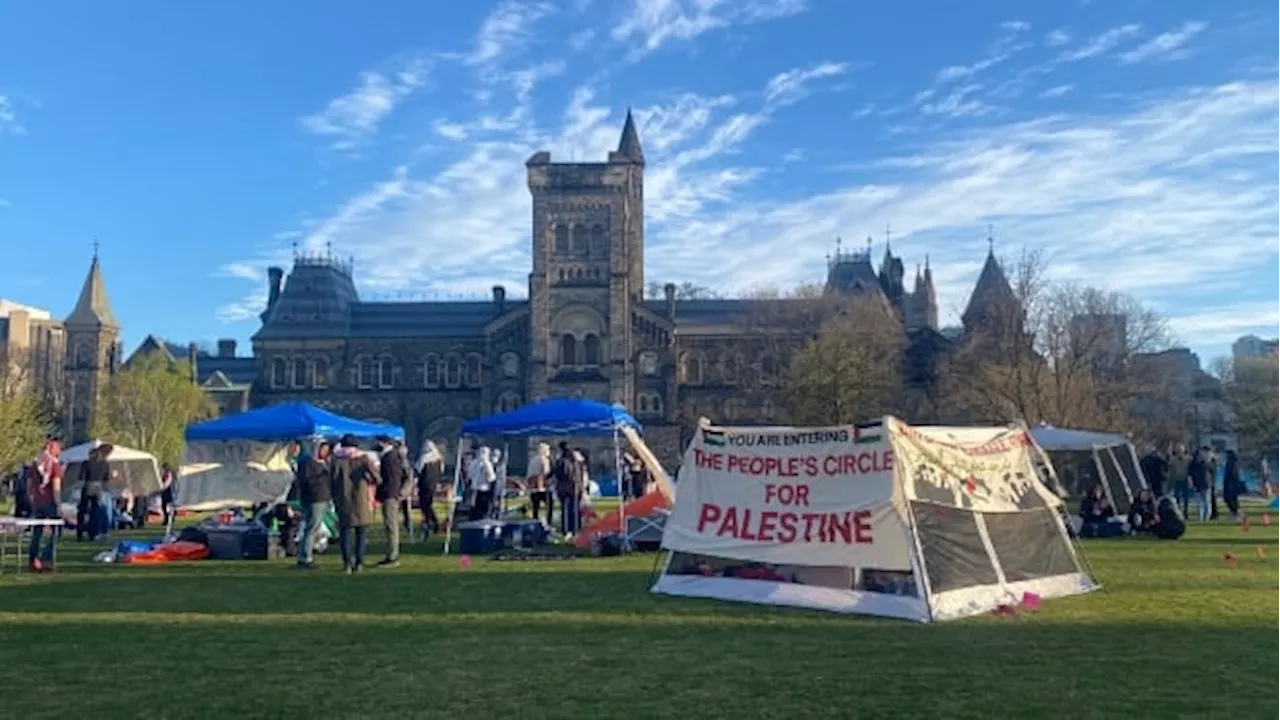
(45, 496)
(430, 473)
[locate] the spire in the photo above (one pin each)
(888, 237)
(992, 294)
(629, 143)
(93, 308)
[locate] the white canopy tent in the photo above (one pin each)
(1083, 458)
(923, 524)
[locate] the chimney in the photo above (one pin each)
(193, 358)
(227, 348)
(669, 292)
(499, 299)
(275, 278)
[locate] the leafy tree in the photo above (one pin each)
(148, 404)
(851, 370)
(24, 419)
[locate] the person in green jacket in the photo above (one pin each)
(355, 479)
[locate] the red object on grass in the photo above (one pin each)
(170, 552)
(464, 561)
(1030, 601)
(1229, 559)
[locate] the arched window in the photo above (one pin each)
(579, 240)
(508, 401)
(320, 373)
(650, 403)
(591, 351)
(279, 371)
(510, 363)
(82, 357)
(431, 372)
(562, 239)
(729, 367)
(386, 371)
(365, 372)
(299, 379)
(768, 410)
(474, 370)
(643, 403)
(733, 409)
(452, 371)
(598, 247)
(691, 369)
(568, 350)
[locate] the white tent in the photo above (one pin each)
(1082, 459)
(884, 519)
(135, 469)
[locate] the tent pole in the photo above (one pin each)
(502, 479)
(453, 494)
(622, 497)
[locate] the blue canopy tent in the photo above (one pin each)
(287, 421)
(553, 416)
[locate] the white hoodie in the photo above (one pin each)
(480, 472)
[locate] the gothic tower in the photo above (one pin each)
(588, 272)
(92, 333)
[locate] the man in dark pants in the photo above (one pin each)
(1154, 469)
(315, 491)
(569, 482)
(392, 467)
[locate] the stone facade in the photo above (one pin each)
(586, 329)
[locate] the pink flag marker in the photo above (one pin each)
(1030, 601)
(1266, 518)
(464, 561)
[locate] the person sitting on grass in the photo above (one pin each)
(1096, 512)
(1143, 514)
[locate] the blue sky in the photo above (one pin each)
(1134, 143)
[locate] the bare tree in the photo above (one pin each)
(655, 290)
(1063, 354)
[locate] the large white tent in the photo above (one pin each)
(134, 469)
(885, 519)
(1083, 458)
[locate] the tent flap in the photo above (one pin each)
(287, 421)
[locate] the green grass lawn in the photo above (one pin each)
(1175, 633)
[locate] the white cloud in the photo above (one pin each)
(1015, 26)
(1102, 43)
(1224, 324)
(1165, 46)
(1057, 38)
(1057, 91)
(506, 30)
(651, 23)
(959, 102)
(9, 118)
(352, 117)
(793, 85)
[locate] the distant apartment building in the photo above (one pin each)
(32, 350)
(1252, 346)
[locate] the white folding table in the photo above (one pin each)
(12, 532)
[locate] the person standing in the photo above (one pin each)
(353, 480)
(407, 488)
(1201, 472)
(1154, 469)
(167, 479)
(313, 484)
(570, 484)
(430, 474)
(1179, 477)
(45, 497)
(95, 473)
(538, 478)
(482, 476)
(1232, 483)
(392, 468)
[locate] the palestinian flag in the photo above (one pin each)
(714, 438)
(869, 433)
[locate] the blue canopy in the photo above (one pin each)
(555, 416)
(287, 421)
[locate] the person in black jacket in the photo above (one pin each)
(392, 470)
(95, 474)
(1154, 469)
(1232, 483)
(315, 491)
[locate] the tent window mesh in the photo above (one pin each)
(1132, 476)
(1077, 472)
(1029, 545)
(954, 556)
(1115, 483)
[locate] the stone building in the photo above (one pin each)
(585, 330)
